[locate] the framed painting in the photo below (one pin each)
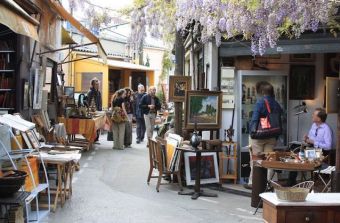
(209, 168)
(178, 85)
(204, 109)
(32, 138)
(69, 91)
(301, 82)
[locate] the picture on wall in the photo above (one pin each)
(209, 168)
(204, 109)
(301, 82)
(178, 86)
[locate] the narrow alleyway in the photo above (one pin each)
(111, 188)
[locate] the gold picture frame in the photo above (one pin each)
(178, 86)
(204, 109)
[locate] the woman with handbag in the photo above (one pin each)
(265, 125)
(119, 117)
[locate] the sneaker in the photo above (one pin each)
(138, 141)
(127, 146)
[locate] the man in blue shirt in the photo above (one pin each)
(320, 134)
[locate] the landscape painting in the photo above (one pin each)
(204, 109)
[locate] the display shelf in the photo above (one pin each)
(9, 89)
(7, 109)
(228, 156)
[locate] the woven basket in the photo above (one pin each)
(298, 192)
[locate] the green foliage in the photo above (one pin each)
(196, 104)
(166, 66)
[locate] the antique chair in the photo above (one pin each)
(158, 162)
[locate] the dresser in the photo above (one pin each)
(318, 208)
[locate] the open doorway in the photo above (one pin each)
(137, 77)
(115, 77)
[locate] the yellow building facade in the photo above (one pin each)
(112, 76)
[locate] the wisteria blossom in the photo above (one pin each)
(262, 22)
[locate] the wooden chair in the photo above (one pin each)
(158, 162)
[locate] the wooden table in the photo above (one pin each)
(286, 166)
(318, 207)
(197, 190)
(65, 165)
(86, 127)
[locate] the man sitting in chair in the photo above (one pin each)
(319, 136)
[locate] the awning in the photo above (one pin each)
(67, 16)
(66, 38)
(15, 18)
(126, 65)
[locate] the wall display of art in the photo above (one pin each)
(301, 82)
(227, 86)
(209, 168)
(204, 109)
(178, 85)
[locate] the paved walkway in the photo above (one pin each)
(111, 188)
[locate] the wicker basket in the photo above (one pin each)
(298, 192)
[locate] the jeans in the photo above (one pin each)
(140, 128)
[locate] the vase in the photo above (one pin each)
(195, 140)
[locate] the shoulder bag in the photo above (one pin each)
(269, 126)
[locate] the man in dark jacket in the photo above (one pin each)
(140, 123)
(95, 95)
(150, 105)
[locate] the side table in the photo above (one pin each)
(197, 189)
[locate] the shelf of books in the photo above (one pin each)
(7, 74)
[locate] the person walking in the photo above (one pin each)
(94, 95)
(140, 122)
(128, 102)
(260, 110)
(150, 104)
(118, 127)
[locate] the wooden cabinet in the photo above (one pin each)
(318, 208)
(228, 162)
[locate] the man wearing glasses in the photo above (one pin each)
(320, 134)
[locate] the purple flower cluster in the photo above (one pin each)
(260, 23)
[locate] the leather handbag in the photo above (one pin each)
(269, 126)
